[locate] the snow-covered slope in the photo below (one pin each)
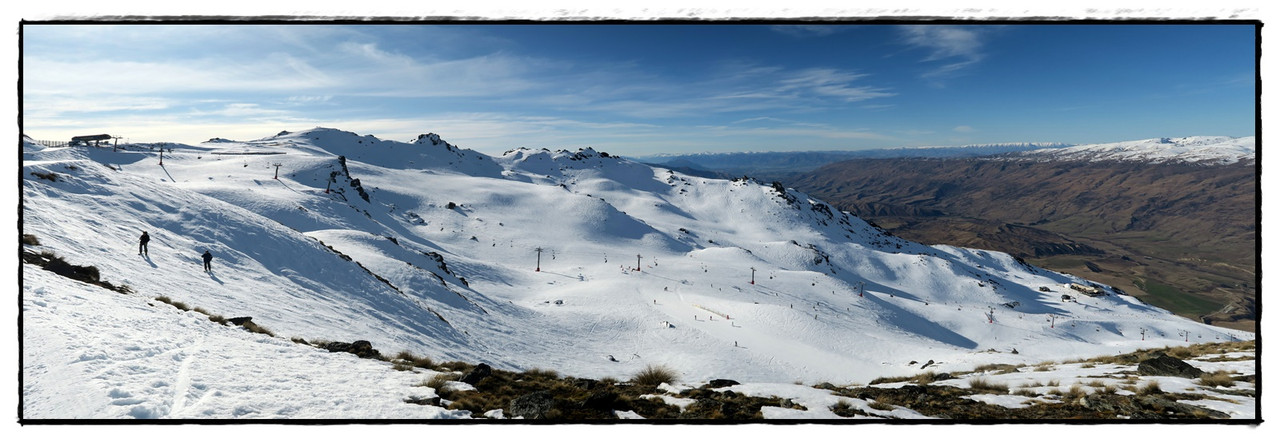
(579, 262)
(1199, 149)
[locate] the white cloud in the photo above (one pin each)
(832, 83)
(963, 129)
(956, 47)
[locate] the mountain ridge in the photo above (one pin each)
(334, 240)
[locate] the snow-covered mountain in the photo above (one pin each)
(1198, 149)
(579, 262)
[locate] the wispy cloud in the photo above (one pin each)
(831, 83)
(963, 129)
(749, 88)
(951, 49)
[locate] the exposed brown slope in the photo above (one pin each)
(1183, 234)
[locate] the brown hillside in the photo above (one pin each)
(1181, 236)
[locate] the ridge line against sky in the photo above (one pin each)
(639, 89)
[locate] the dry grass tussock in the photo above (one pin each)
(1216, 379)
(654, 375)
(987, 386)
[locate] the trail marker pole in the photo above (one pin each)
(277, 176)
(161, 157)
(539, 266)
(753, 276)
(637, 262)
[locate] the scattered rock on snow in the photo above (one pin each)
(1165, 365)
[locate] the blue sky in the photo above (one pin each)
(638, 89)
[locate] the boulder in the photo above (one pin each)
(1165, 365)
(531, 406)
(476, 374)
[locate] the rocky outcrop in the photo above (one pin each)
(1165, 365)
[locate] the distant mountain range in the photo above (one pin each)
(1195, 149)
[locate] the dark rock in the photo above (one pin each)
(434, 400)
(337, 347)
(827, 386)
(363, 349)
(476, 374)
(1165, 365)
(531, 406)
(240, 320)
(719, 383)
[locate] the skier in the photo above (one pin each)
(142, 244)
(208, 258)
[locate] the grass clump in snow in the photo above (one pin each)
(1149, 388)
(406, 360)
(439, 381)
(882, 406)
(176, 304)
(998, 368)
(250, 326)
(987, 386)
(654, 375)
(844, 408)
(542, 373)
(1216, 379)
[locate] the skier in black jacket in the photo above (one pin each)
(142, 243)
(208, 258)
